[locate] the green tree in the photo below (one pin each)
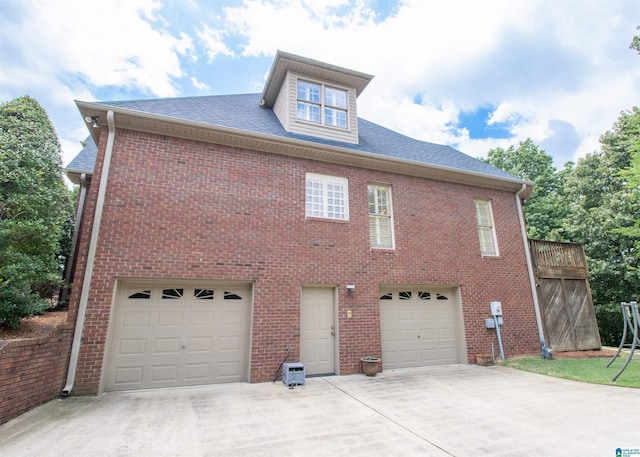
(626, 137)
(602, 194)
(595, 202)
(543, 210)
(34, 207)
(635, 43)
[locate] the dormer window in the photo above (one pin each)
(322, 104)
(314, 99)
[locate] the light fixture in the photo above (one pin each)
(350, 287)
(94, 120)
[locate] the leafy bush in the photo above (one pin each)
(16, 304)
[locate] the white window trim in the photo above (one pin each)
(482, 228)
(323, 104)
(389, 216)
(324, 181)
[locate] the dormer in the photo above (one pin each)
(314, 98)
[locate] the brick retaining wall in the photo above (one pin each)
(32, 371)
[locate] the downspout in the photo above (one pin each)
(532, 278)
(91, 257)
(64, 299)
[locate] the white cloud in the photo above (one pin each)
(61, 51)
(199, 85)
(107, 45)
(213, 40)
(558, 72)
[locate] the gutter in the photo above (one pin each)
(91, 257)
(532, 279)
(64, 299)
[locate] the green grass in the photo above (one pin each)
(587, 370)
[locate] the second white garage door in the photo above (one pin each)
(420, 327)
(178, 335)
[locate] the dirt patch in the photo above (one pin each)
(35, 326)
(584, 354)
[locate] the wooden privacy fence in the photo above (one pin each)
(562, 280)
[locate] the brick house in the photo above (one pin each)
(220, 234)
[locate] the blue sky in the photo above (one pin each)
(471, 74)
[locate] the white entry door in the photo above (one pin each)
(317, 330)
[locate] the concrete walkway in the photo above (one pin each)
(459, 410)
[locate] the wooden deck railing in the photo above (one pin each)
(556, 259)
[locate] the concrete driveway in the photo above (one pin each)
(458, 410)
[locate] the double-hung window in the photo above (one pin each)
(486, 229)
(322, 104)
(380, 216)
(327, 197)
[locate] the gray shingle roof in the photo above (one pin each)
(85, 161)
(244, 112)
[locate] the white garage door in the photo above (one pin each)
(178, 335)
(420, 327)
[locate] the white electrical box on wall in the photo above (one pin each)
(496, 308)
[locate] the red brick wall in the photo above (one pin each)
(32, 371)
(183, 209)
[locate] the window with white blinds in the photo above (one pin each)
(486, 229)
(380, 216)
(327, 197)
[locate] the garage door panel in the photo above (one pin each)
(136, 320)
(448, 355)
(227, 372)
(131, 347)
(200, 344)
(128, 376)
(408, 336)
(202, 318)
(425, 314)
(406, 315)
(232, 316)
(430, 356)
(197, 371)
(163, 346)
(164, 373)
(173, 336)
(170, 319)
(427, 334)
(409, 356)
(418, 328)
(229, 343)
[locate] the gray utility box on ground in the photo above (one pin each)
(293, 374)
